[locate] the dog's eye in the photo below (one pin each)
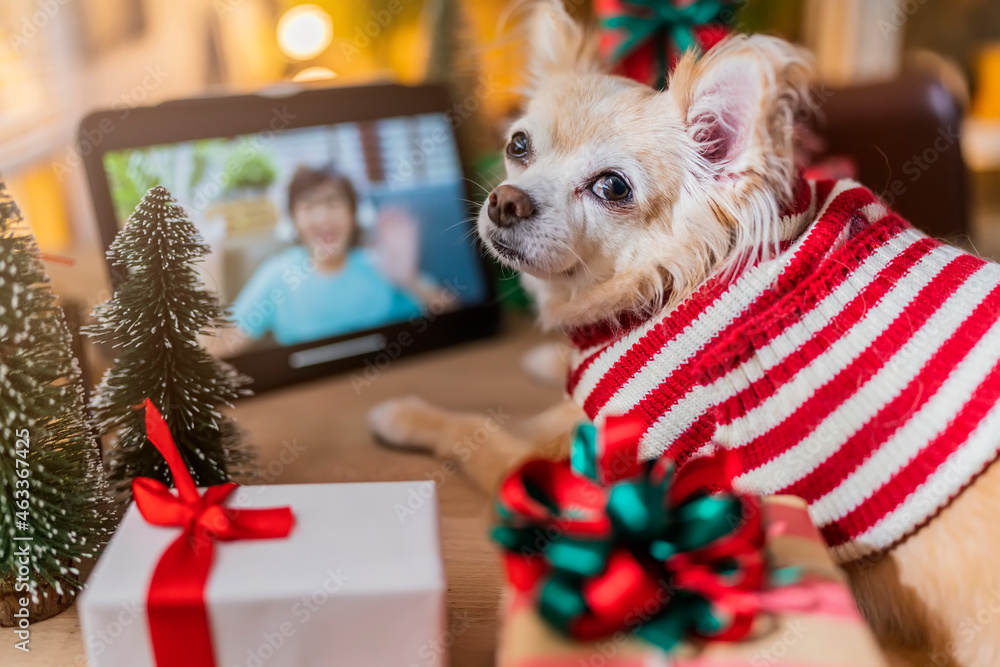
(518, 146)
(611, 187)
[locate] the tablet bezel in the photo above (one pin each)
(233, 115)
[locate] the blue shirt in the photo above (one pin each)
(289, 297)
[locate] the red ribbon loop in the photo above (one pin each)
(619, 458)
(178, 619)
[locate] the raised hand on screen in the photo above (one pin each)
(396, 249)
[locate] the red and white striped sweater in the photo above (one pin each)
(860, 369)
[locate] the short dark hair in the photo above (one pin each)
(306, 178)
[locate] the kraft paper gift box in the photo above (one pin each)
(818, 624)
(358, 582)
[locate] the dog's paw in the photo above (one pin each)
(406, 423)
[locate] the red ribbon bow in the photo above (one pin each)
(178, 619)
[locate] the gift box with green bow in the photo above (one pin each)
(643, 39)
(637, 563)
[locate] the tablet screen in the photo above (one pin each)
(320, 231)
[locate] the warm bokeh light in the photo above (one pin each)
(304, 32)
(314, 74)
(987, 103)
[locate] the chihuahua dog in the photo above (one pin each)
(847, 357)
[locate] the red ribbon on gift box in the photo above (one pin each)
(178, 618)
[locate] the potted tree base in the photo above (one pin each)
(49, 602)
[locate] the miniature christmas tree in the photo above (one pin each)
(153, 321)
(53, 508)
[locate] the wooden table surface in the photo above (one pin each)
(324, 423)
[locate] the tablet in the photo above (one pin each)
(338, 219)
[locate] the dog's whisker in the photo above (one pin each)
(495, 175)
(479, 185)
(581, 263)
(467, 235)
(466, 221)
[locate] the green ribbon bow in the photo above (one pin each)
(663, 21)
(607, 543)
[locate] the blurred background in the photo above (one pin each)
(910, 94)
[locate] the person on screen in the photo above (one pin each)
(327, 284)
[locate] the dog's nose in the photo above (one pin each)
(509, 205)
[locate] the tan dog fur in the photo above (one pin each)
(935, 598)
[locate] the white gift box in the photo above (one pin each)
(358, 582)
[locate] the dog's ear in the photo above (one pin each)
(740, 103)
(558, 45)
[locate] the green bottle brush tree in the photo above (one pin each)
(152, 323)
(54, 512)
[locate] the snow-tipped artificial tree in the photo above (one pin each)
(152, 323)
(53, 507)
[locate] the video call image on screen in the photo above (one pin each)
(320, 231)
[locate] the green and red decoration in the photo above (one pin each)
(604, 542)
(643, 39)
